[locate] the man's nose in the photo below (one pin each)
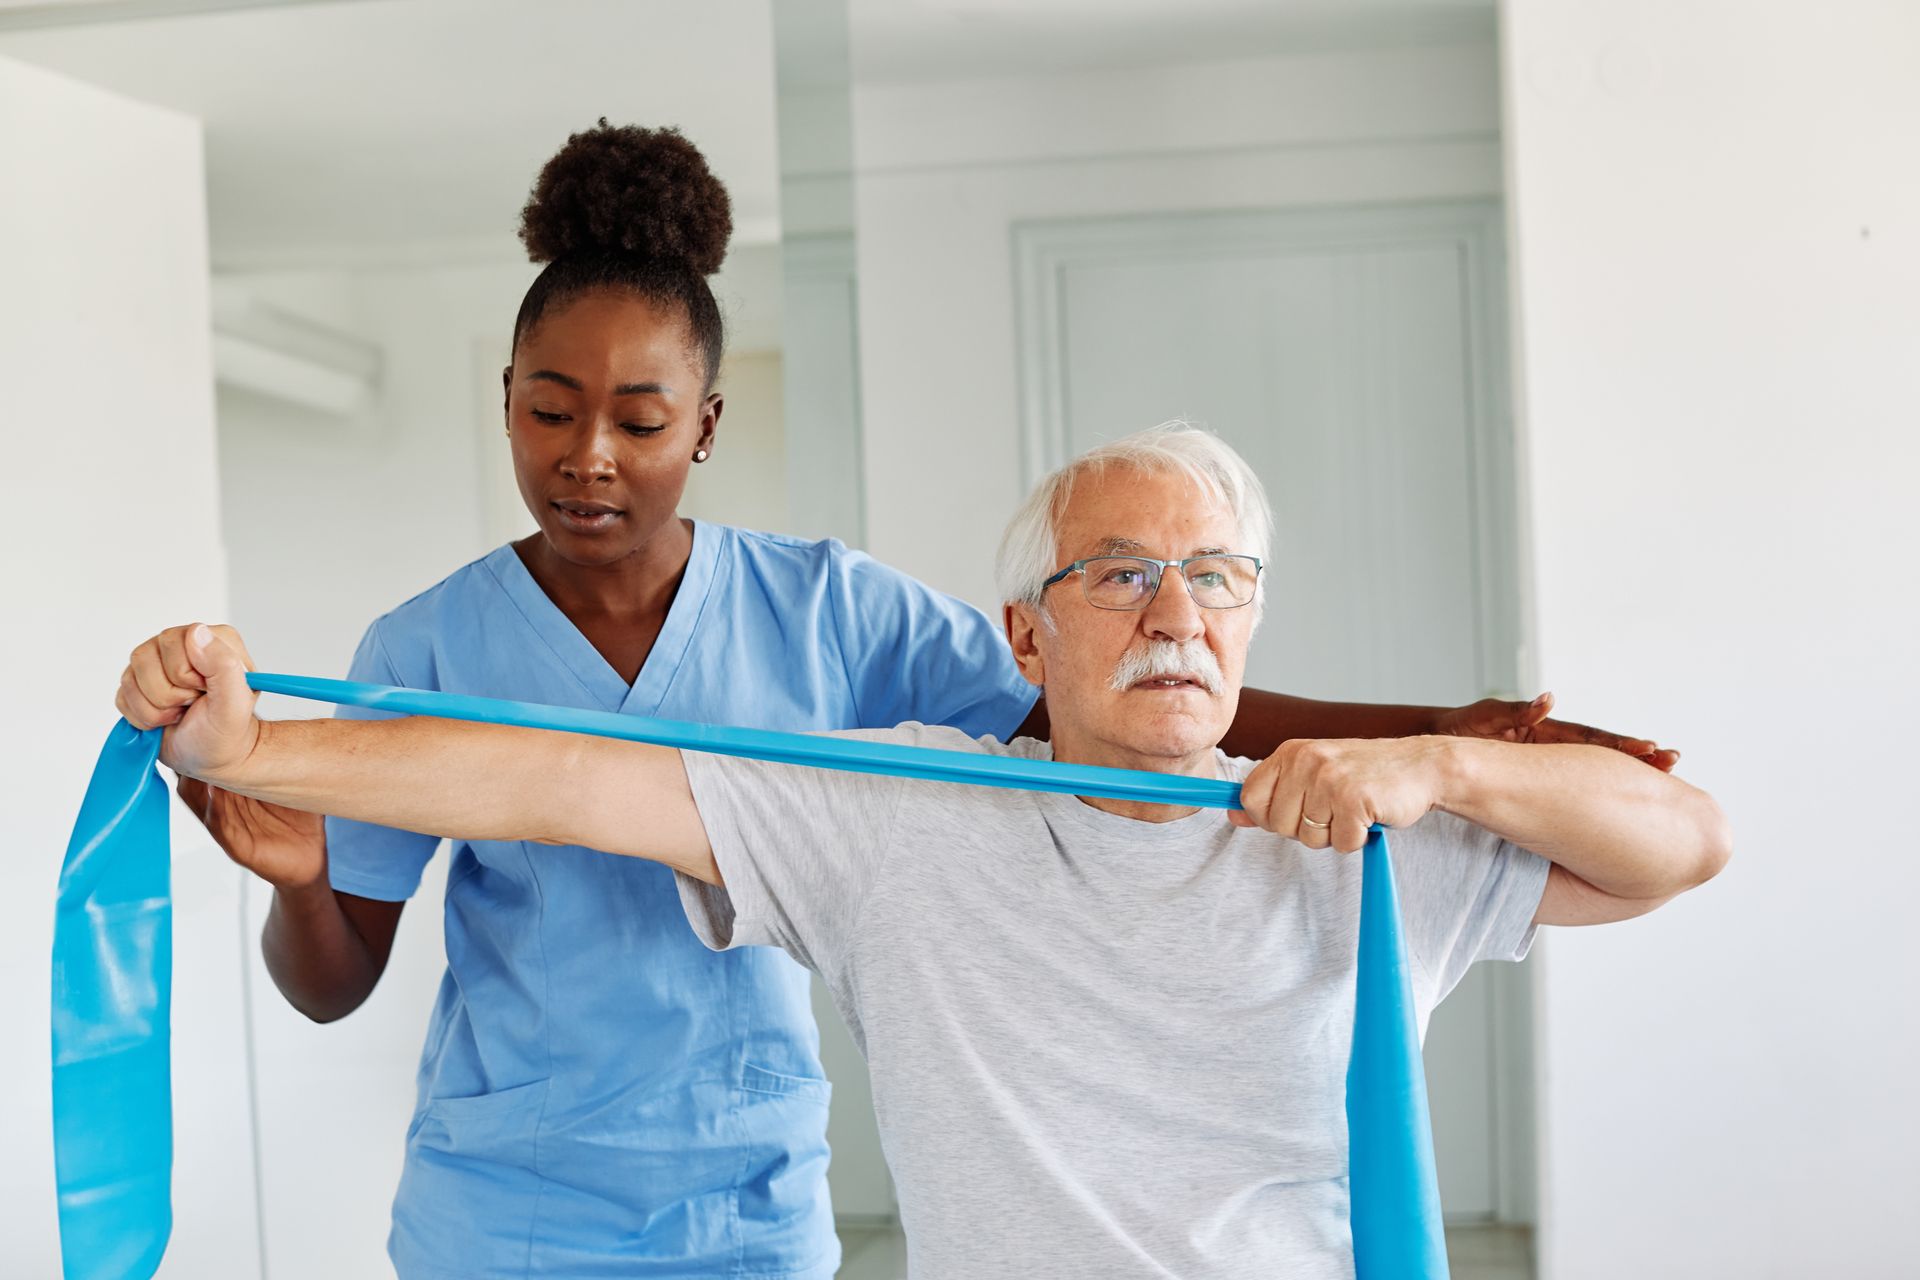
(589, 455)
(1172, 614)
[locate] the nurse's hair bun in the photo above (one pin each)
(624, 191)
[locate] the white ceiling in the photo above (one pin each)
(366, 131)
(912, 40)
(411, 129)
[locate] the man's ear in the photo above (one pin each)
(506, 397)
(1023, 628)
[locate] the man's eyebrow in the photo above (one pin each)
(1118, 546)
(624, 389)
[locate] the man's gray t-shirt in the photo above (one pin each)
(1100, 1047)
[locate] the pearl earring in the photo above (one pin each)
(699, 455)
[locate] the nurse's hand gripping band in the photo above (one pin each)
(113, 959)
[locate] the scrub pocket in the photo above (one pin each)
(468, 1192)
(783, 1193)
(499, 1126)
(754, 1079)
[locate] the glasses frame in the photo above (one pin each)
(1159, 570)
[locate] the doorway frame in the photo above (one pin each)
(1474, 231)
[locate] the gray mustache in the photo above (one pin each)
(1167, 659)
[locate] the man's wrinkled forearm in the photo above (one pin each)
(1629, 831)
(438, 777)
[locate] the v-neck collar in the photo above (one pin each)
(576, 654)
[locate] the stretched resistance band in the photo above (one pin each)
(113, 959)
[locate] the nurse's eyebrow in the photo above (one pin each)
(624, 389)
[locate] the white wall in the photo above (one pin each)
(745, 481)
(345, 516)
(1717, 233)
(111, 530)
(945, 170)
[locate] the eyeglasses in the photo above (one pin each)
(1131, 582)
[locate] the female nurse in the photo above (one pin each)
(599, 1094)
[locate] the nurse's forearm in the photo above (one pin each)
(482, 782)
(1264, 720)
(325, 950)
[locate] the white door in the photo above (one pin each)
(1351, 356)
(111, 530)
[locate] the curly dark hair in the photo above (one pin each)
(622, 207)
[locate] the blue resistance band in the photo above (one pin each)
(113, 960)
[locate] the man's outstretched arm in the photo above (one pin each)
(441, 777)
(1622, 839)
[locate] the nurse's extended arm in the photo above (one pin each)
(441, 777)
(1265, 720)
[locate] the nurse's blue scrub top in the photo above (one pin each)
(600, 1095)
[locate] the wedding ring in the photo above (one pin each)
(1310, 822)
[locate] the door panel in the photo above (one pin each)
(1344, 354)
(1340, 377)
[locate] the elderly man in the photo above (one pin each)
(1106, 1039)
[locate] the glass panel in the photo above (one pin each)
(1281, 221)
(821, 328)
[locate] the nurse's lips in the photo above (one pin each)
(586, 517)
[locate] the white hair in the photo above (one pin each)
(1030, 549)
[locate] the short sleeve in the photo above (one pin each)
(1466, 895)
(362, 859)
(915, 654)
(798, 848)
